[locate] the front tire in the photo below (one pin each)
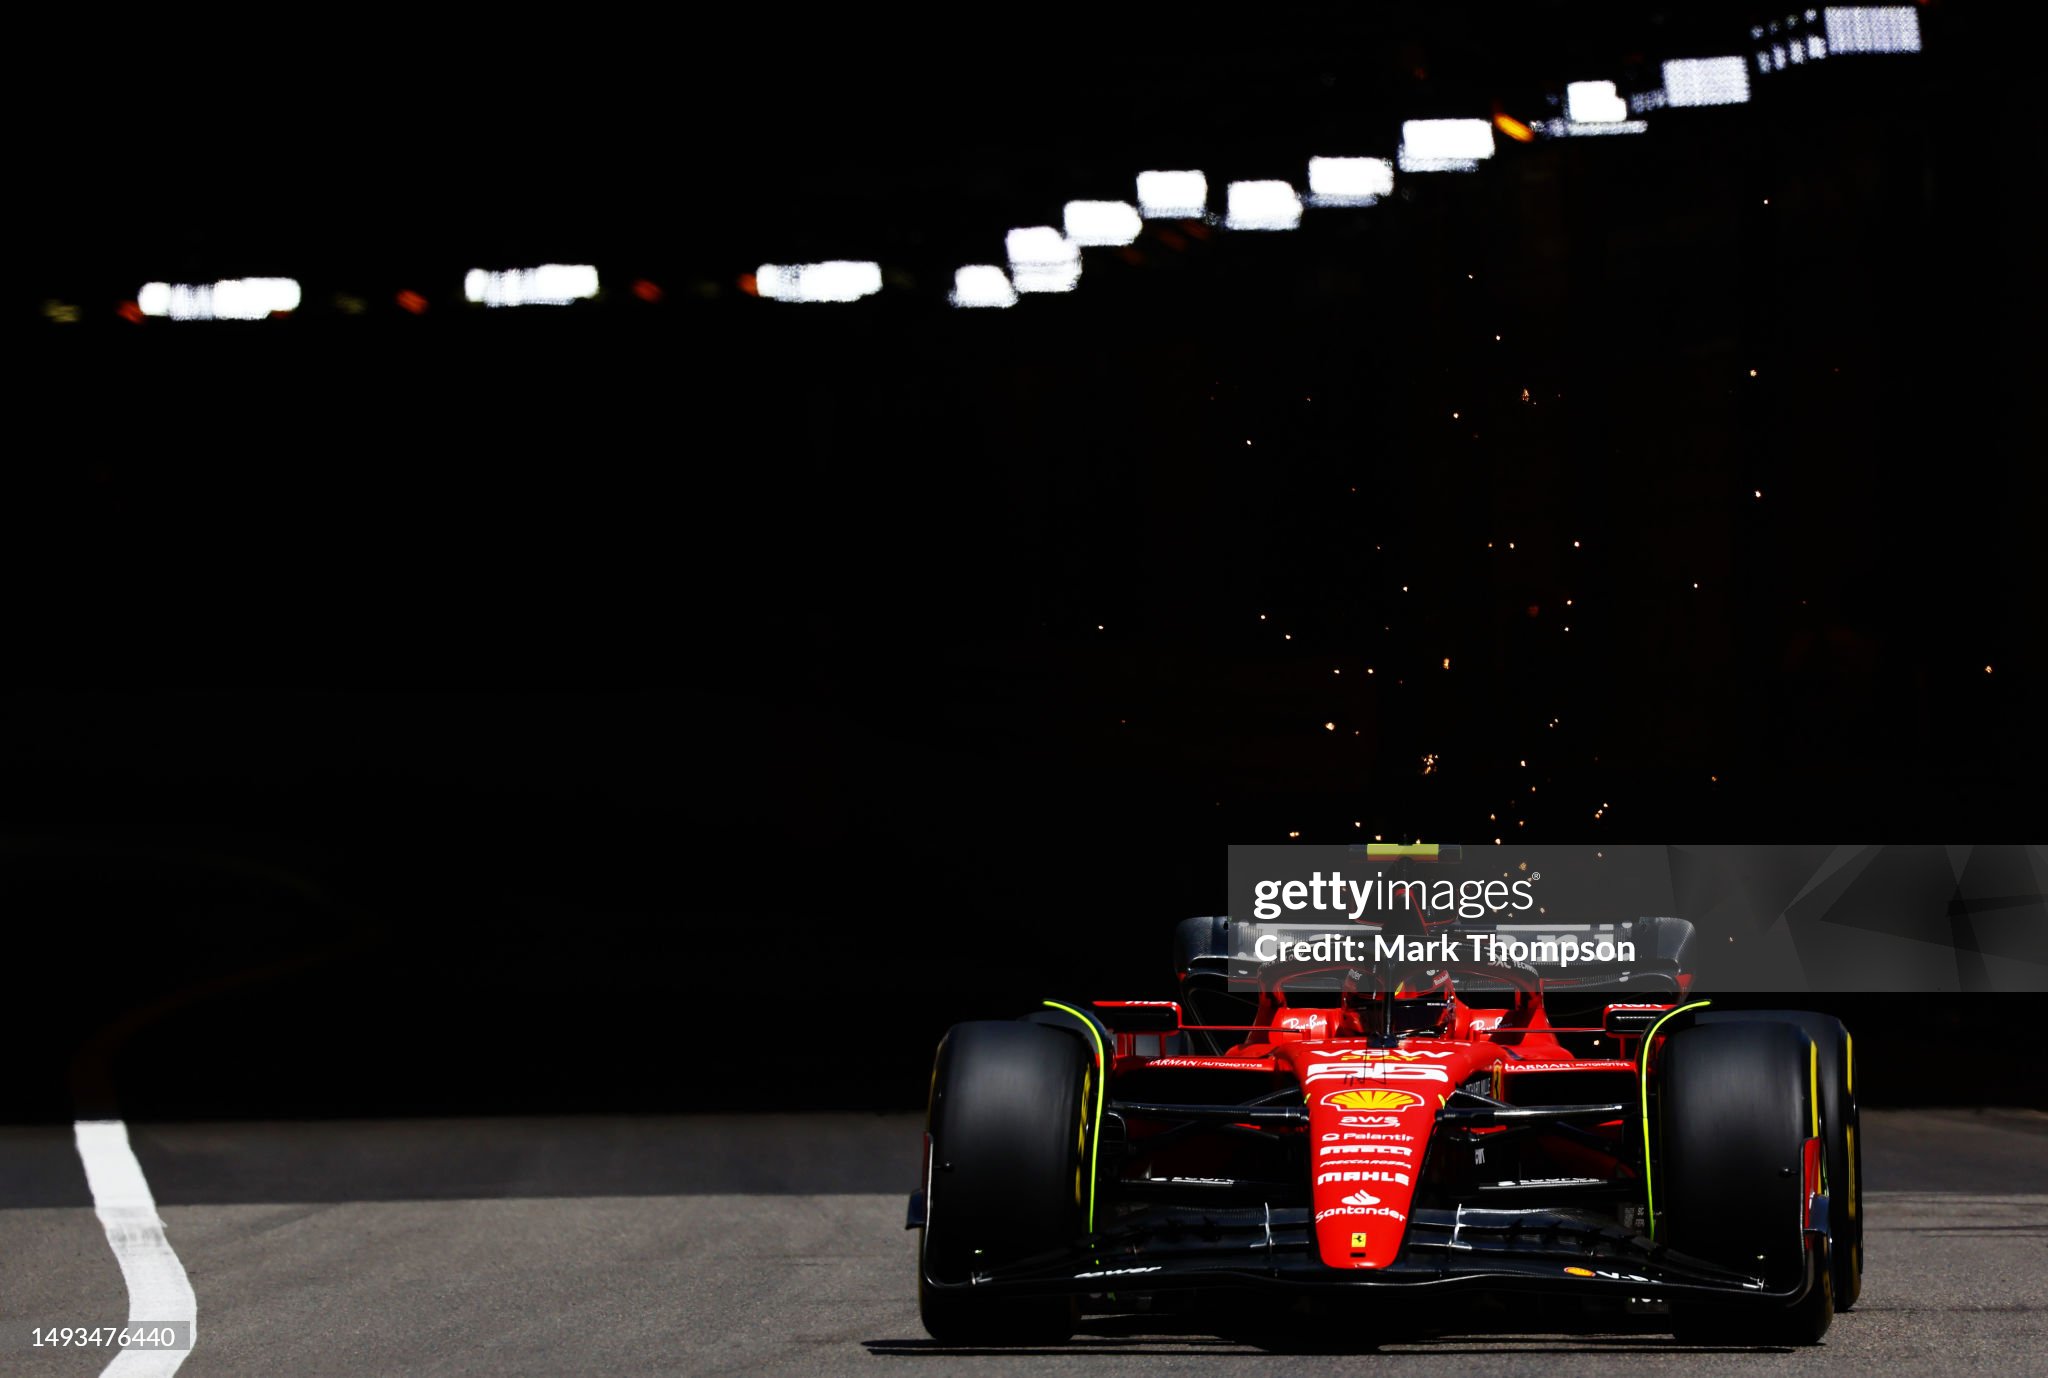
(1009, 1125)
(1841, 1136)
(1737, 1107)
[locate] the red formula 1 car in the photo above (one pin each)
(1342, 1136)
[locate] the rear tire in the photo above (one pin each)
(1008, 1123)
(1736, 1112)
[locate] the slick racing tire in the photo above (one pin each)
(1737, 1107)
(1009, 1124)
(1841, 1137)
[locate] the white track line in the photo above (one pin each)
(158, 1290)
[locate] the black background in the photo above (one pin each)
(619, 706)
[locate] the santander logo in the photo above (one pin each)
(1361, 1198)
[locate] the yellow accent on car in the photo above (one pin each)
(1649, 1190)
(1395, 851)
(1813, 1083)
(1852, 1171)
(1849, 1137)
(1081, 1132)
(1101, 1084)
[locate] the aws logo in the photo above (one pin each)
(1374, 1098)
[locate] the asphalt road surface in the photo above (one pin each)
(733, 1244)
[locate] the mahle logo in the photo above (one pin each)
(1378, 1098)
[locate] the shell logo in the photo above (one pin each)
(1378, 1098)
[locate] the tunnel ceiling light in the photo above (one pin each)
(1445, 145)
(1102, 223)
(1173, 195)
(1349, 181)
(1594, 102)
(230, 299)
(837, 280)
(1042, 259)
(1705, 81)
(1872, 29)
(983, 285)
(551, 284)
(1262, 206)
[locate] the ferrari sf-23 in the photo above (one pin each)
(1300, 1138)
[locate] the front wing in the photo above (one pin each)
(1457, 1247)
